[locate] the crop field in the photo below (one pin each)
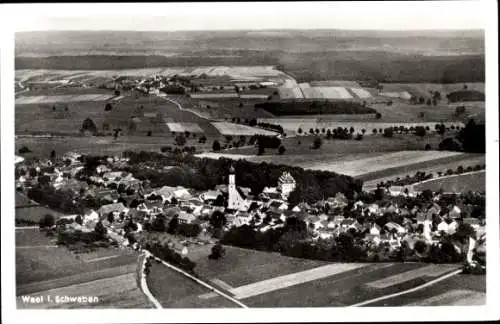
(184, 127)
(423, 89)
(326, 92)
(457, 183)
(114, 291)
(334, 83)
(384, 161)
(216, 95)
(258, 281)
(467, 160)
(26, 100)
(290, 93)
(361, 93)
(401, 95)
(358, 122)
(226, 128)
(458, 290)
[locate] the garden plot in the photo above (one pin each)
(56, 99)
(184, 127)
(361, 93)
(236, 129)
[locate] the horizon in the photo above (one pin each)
(183, 17)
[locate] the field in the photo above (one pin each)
(28, 212)
(325, 92)
(45, 269)
(261, 279)
(456, 183)
(468, 160)
(459, 290)
(359, 122)
(237, 129)
(27, 100)
(184, 127)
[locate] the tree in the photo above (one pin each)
(299, 130)
(173, 225)
(358, 137)
(420, 131)
(317, 143)
(24, 149)
(218, 219)
(48, 220)
(218, 251)
(108, 107)
(378, 115)
(363, 131)
(53, 108)
(89, 125)
(100, 230)
(429, 101)
(420, 247)
(216, 146)
(282, 150)
(158, 224)
(111, 217)
(202, 139)
(374, 131)
(464, 231)
(428, 147)
(311, 131)
(180, 140)
(79, 220)
(388, 132)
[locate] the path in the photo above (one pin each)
(144, 284)
(430, 283)
(206, 285)
(185, 109)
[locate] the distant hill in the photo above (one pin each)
(387, 56)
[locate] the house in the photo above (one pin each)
(452, 227)
(455, 212)
(186, 218)
(325, 234)
(374, 238)
(442, 226)
(391, 226)
(350, 223)
(373, 209)
(473, 222)
(112, 176)
(101, 169)
(286, 184)
(116, 209)
(210, 196)
(375, 230)
(337, 220)
(296, 209)
(435, 209)
(408, 191)
(90, 216)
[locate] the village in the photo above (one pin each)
(128, 208)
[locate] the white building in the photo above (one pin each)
(235, 200)
(286, 184)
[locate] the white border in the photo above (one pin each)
(14, 16)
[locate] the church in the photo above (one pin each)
(235, 201)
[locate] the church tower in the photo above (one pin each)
(235, 201)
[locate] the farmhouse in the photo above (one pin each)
(186, 218)
(116, 209)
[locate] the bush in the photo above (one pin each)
(216, 146)
(317, 143)
(282, 150)
(108, 107)
(180, 140)
(48, 220)
(449, 144)
(420, 131)
(388, 132)
(428, 147)
(24, 150)
(88, 125)
(378, 115)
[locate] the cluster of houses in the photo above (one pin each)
(124, 198)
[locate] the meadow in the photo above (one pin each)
(456, 183)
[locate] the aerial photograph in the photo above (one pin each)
(160, 168)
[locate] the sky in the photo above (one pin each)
(392, 15)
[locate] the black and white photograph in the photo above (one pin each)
(238, 157)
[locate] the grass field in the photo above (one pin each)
(27, 100)
(456, 183)
(183, 127)
(33, 214)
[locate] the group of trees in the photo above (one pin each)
(471, 138)
(314, 107)
(164, 252)
(205, 174)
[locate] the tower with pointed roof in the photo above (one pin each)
(235, 201)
